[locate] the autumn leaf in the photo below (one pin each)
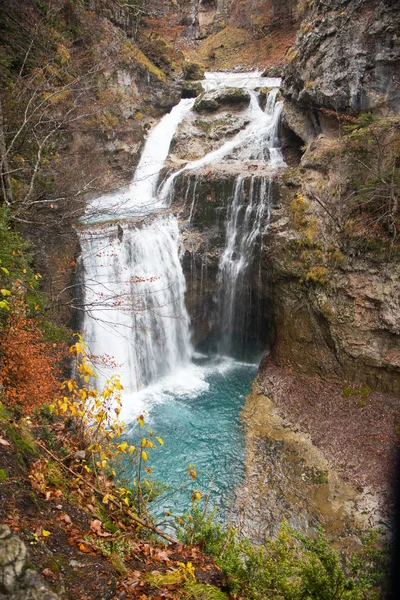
(49, 573)
(196, 495)
(46, 533)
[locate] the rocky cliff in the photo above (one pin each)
(346, 59)
(332, 253)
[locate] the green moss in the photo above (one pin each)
(23, 441)
(131, 54)
(55, 333)
(3, 475)
(317, 275)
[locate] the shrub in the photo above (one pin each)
(31, 367)
(291, 567)
(317, 275)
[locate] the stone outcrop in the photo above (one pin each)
(226, 97)
(289, 478)
(347, 59)
(348, 324)
(17, 580)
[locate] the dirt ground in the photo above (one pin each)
(357, 429)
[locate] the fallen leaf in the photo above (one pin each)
(49, 573)
(46, 533)
(4, 442)
(66, 518)
(97, 526)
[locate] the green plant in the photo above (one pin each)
(290, 567)
(317, 275)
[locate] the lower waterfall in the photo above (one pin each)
(135, 313)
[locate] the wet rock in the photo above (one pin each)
(191, 89)
(235, 98)
(272, 72)
(16, 580)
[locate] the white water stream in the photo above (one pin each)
(134, 287)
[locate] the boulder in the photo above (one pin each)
(16, 579)
(235, 98)
(192, 71)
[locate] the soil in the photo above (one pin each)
(357, 429)
(64, 535)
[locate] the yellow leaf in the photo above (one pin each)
(144, 455)
(196, 495)
(160, 441)
(46, 533)
(140, 420)
(132, 449)
(122, 447)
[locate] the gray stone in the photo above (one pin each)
(16, 581)
(346, 59)
(12, 559)
(235, 98)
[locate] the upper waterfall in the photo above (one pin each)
(140, 197)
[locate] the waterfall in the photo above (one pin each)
(140, 197)
(134, 297)
(134, 292)
(134, 287)
(245, 225)
(247, 215)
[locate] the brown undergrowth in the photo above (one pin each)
(83, 548)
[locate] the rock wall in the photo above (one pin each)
(202, 201)
(17, 580)
(347, 59)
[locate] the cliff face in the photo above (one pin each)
(347, 59)
(334, 251)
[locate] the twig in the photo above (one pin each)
(111, 500)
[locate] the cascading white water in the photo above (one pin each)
(133, 281)
(140, 197)
(135, 300)
(249, 80)
(259, 140)
(134, 286)
(245, 225)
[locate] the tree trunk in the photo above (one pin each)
(4, 173)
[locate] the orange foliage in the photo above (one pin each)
(30, 367)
